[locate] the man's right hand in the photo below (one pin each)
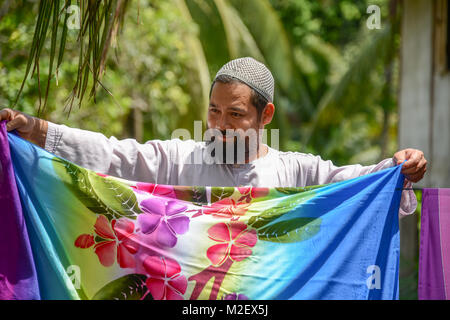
(28, 127)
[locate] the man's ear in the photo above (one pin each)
(268, 113)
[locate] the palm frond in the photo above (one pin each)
(266, 28)
(100, 22)
(239, 39)
(337, 102)
(201, 65)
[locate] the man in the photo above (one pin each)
(241, 97)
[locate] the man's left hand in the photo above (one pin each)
(415, 166)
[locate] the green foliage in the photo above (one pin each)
(157, 76)
(98, 23)
(345, 66)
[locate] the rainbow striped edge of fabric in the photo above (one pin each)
(70, 233)
(434, 250)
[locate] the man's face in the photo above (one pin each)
(230, 108)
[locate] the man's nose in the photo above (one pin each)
(223, 123)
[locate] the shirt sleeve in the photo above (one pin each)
(128, 159)
(324, 171)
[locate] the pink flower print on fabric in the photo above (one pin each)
(249, 193)
(235, 241)
(120, 241)
(156, 189)
(165, 281)
(226, 208)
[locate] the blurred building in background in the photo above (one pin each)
(424, 102)
(425, 86)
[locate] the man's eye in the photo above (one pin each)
(235, 114)
(213, 110)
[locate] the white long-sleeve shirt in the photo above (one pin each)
(172, 162)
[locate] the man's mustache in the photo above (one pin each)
(230, 145)
(233, 138)
(223, 133)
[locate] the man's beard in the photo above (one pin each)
(234, 150)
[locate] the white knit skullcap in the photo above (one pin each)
(253, 73)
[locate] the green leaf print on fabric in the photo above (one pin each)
(101, 195)
(129, 287)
